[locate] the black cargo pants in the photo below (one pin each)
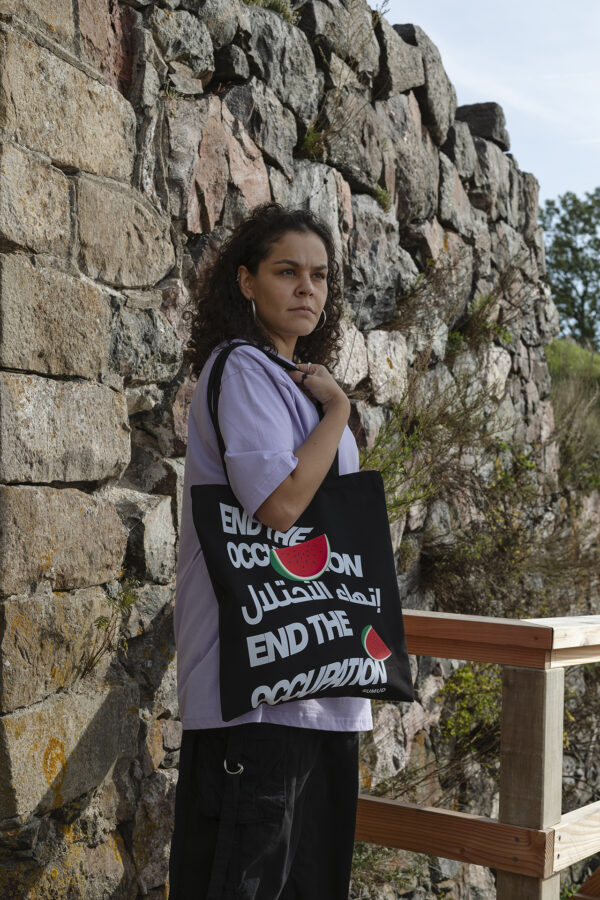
(264, 812)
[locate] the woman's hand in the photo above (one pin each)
(320, 384)
(288, 501)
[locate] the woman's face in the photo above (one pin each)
(289, 288)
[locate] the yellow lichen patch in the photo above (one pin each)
(20, 623)
(365, 776)
(54, 767)
(117, 845)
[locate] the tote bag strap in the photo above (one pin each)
(214, 389)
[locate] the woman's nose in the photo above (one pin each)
(305, 285)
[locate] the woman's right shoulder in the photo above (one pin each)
(245, 357)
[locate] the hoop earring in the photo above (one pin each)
(318, 328)
(253, 305)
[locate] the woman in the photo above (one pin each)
(289, 834)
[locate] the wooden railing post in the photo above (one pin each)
(531, 766)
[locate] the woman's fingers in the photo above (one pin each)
(317, 381)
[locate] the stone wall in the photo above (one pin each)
(133, 136)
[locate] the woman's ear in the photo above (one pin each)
(245, 281)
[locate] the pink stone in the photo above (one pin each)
(106, 32)
(181, 411)
(246, 165)
(344, 195)
(211, 173)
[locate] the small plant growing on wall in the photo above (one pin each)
(283, 7)
(108, 637)
(343, 103)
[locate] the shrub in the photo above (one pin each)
(575, 396)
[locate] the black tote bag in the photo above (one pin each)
(314, 612)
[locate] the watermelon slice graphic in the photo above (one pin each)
(304, 562)
(373, 644)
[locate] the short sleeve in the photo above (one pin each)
(255, 421)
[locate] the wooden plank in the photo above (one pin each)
(575, 639)
(480, 638)
(590, 889)
(503, 654)
(479, 629)
(572, 631)
(522, 887)
(574, 656)
(453, 835)
(577, 836)
(531, 766)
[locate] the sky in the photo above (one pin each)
(539, 60)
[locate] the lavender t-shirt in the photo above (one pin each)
(263, 416)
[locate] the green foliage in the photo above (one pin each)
(283, 7)
(383, 198)
(502, 562)
(487, 318)
(373, 865)
(566, 358)
(472, 718)
(423, 449)
(572, 232)
(313, 144)
(108, 637)
(575, 396)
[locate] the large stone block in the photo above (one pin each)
(149, 519)
(323, 191)
(182, 37)
(44, 639)
(52, 16)
(54, 430)
(63, 535)
(437, 97)
(459, 147)
(491, 182)
(455, 208)
(106, 32)
(388, 366)
(352, 366)
(271, 126)
(211, 156)
(153, 827)
(123, 241)
(34, 203)
(150, 472)
(345, 29)
(410, 158)
(378, 268)
(221, 17)
(66, 867)
(64, 746)
(283, 59)
(485, 120)
(354, 135)
(50, 321)
(144, 346)
(92, 126)
(400, 65)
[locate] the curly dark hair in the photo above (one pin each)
(219, 311)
